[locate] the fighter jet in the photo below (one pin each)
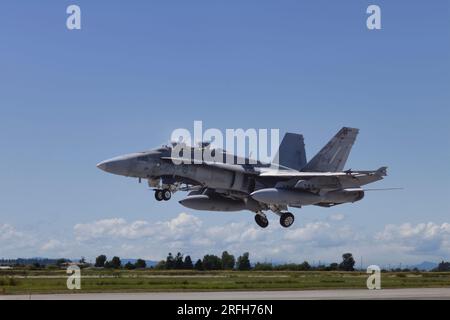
(257, 187)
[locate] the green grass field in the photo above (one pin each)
(46, 281)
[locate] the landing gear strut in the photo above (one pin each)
(161, 195)
(261, 220)
(287, 219)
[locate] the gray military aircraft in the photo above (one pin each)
(257, 187)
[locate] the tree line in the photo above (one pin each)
(226, 261)
(347, 264)
(442, 267)
(209, 262)
(115, 263)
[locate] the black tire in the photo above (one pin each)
(287, 219)
(261, 221)
(159, 196)
(166, 194)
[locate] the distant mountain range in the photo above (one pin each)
(426, 265)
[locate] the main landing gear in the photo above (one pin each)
(286, 219)
(164, 194)
(261, 220)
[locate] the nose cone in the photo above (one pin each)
(102, 166)
(119, 166)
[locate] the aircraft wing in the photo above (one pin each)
(300, 174)
(324, 180)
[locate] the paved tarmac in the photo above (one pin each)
(428, 293)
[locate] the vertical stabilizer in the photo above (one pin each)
(291, 153)
(334, 155)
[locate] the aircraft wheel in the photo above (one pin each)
(159, 195)
(261, 221)
(287, 219)
(167, 194)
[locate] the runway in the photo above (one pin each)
(342, 294)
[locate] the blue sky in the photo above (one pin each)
(135, 72)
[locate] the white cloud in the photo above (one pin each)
(177, 228)
(310, 231)
(337, 217)
(51, 244)
(321, 234)
(13, 241)
(115, 227)
(9, 233)
(323, 240)
(428, 237)
(182, 226)
(235, 232)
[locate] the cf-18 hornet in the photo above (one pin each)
(291, 181)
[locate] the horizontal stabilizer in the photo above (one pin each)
(382, 171)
